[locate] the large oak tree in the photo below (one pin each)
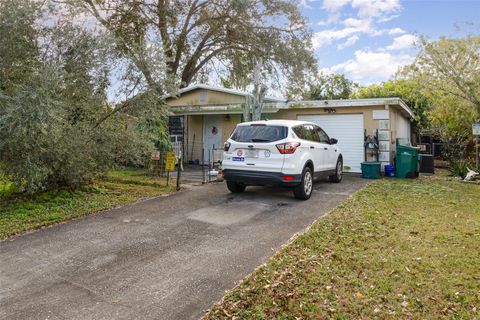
(202, 35)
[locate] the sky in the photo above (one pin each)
(368, 40)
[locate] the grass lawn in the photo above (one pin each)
(19, 214)
(398, 249)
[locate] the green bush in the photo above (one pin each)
(6, 186)
(48, 141)
(57, 127)
(459, 168)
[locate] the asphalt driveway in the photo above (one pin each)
(165, 258)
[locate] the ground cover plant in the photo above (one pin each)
(21, 213)
(398, 249)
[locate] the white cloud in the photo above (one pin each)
(305, 3)
(371, 66)
(334, 5)
(357, 23)
(396, 31)
(326, 37)
(350, 42)
(403, 42)
(376, 8)
(333, 18)
(366, 8)
(370, 12)
(367, 65)
(353, 27)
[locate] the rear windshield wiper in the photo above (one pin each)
(260, 140)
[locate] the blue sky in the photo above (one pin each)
(368, 40)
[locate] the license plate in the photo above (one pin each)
(238, 159)
(251, 153)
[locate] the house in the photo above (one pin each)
(203, 117)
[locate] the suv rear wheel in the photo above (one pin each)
(304, 190)
(337, 177)
(235, 187)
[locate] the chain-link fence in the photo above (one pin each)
(198, 165)
(201, 163)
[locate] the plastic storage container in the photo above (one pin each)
(389, 171)
(407, 162)
(371, 170)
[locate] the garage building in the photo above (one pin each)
(203, 117)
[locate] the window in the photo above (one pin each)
(301, 132)
(175, 125)
(323, 137)
(259, 133)
(311, 133)
(307, 132)
(203, 96)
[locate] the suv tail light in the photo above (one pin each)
(226, 146)
(288, 148)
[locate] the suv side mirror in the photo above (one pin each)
(333, 141)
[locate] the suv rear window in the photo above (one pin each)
(259, 133)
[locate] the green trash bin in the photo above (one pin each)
(371, 170)
(407, 162)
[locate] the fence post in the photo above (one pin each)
(203, 165)
(178, 172)
(477, 155)
(209, 168)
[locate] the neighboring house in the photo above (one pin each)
(203, 117)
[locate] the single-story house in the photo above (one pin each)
(203, 117)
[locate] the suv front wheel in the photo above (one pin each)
(235, 187)
(304, 190)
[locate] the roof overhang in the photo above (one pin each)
(345, 103)
(219, 109)
(275, 107)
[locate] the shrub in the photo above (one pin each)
(6, 186)
(56, 126)
(459, 168)
(47, 141)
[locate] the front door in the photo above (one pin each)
(212, 137)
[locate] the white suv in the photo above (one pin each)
(280, 153)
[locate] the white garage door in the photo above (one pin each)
(348, 129)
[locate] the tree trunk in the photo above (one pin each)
(258, 96)
(247, 109)
(259, 90)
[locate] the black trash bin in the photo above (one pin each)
(427, 163)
